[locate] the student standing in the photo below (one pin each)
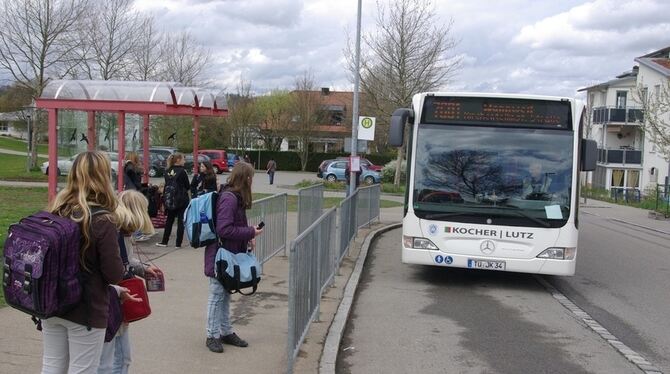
(271, 169)
(175, 196)
(73, 341)
(131, 216)
(205, 181)
(237, 236)
(132, 179)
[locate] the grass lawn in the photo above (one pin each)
(16, 203)
(19, 145)
(14, 168)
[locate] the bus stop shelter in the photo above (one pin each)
(124, 97)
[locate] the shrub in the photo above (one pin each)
(388, 172)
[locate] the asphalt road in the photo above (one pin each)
(623, 281)
(421, 319)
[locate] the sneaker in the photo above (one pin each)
(161, 244)
(233, 339)
(214, 345)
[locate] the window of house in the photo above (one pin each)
(4, 127)
(621, 99)
(657, 91)
(292, 145)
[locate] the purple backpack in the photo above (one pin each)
(41, 271)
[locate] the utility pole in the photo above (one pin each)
(354, 120)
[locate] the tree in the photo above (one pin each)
(185, 60)
(147, 57)
(307, 108)
(275, 116)
(111, 36)
(656, 115)
(242, 120)
(408, 53)
(37, 41)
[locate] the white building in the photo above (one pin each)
(627, 156)
(13, 124)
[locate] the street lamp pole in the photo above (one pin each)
(28, 119)
(354, 119)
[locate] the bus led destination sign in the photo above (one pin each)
(497, 111)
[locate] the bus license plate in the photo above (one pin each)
(486, 264)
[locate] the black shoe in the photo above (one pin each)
(215, 345)
(233, 339)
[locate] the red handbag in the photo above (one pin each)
(135, 311)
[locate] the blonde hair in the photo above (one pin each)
(173, 159)
(89, 185)
(239, 181)
(132, 213)
(134, 159)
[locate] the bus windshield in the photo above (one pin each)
(493, 175)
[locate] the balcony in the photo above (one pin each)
(629, 116)
(619, 156)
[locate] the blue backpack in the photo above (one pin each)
(200, 220)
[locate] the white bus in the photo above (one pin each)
(492, 180)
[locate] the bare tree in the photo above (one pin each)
(656, 115)
(185, 60)
(37, 40)
(275, 116)
(408, 53)
(308, 113)
(242, 120)
(147, 57)
(110, 37)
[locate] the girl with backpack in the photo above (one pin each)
(131, 216)
(175, 196)
(205, 181)
(237, 236)
(73, 341)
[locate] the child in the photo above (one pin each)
(131, 216)
(74, 340)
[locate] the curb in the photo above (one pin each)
(332, 343)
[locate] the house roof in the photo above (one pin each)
(620, 79)
(658, 61)
(11, 116)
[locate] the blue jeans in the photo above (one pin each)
(218, 310)
(115, 357)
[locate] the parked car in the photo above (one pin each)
(232, 160)
(335, 171)
(322, 167)
(188, 161)
(218, 158)
(157, 164)
(163, 151)
(365, 163)
(65, 164)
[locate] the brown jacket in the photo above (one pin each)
(106, 267)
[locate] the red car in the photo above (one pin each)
(218, 158)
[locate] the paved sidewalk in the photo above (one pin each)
(626, 214)
(172, 339)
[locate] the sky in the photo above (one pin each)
(517, 46)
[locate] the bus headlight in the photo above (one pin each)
(418, 243)
(559, 253)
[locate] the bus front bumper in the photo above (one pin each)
(533, 265)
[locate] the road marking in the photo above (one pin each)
(632, 356)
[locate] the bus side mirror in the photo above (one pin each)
(589, 153)
(397, 128)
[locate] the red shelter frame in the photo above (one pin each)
(181, 101)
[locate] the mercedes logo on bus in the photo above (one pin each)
(487, 247)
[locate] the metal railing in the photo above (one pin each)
(274, 212)
(310, 205)
(663, 199)
(367, 206)
(618, 115)
(312, 267)
(627, 194)
(619, 156)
